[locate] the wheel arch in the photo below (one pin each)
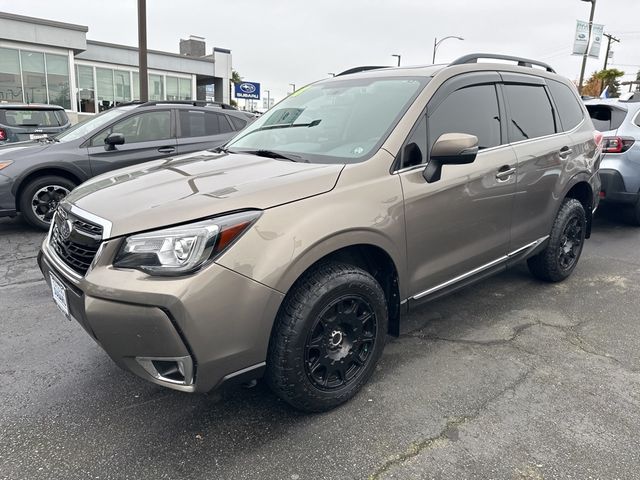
(366, 253)
(581, 190)
(42, 172)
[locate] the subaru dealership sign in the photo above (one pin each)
(248, 90)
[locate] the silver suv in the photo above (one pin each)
(293, 251)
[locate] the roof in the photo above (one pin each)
(42, 21)
(158, 52)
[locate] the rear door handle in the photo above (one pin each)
(167, 149)
(505, 172)
(565, 152)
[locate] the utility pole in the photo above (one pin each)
(610, 38)
(586, 52)
(142, 50)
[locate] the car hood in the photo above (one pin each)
(190, 187)
(15, 150)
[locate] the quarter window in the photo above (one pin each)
(531, 112)
(472, 110)
(567, 104)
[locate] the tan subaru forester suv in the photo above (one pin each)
(292, 252)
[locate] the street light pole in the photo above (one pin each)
(142, 50)
(396, 55)
(436, 44)
(584, 57)
(268, 99)
(294, 87)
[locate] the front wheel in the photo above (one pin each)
(558, 260)
(40, 198)
(327, 338)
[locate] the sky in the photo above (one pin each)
(279, 42)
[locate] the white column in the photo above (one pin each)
(73, 88)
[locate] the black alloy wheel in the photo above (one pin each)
(340, 343)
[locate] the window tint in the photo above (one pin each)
(144, 127)
(414, 152)
(567, 104)
(531, 112)
(196, 123)
(473, 110)
(238, 123)
(34, 118)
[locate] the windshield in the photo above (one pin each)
(87, 127)
(338, 121)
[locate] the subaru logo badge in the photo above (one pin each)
(65, 229)
(247, 87)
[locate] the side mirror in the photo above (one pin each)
(450, 149)
(112, 140)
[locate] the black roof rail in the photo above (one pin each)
(360, 69)
(522, 62)
(195, 103)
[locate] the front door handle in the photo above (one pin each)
(167, 149)
(505, 172)
(565, 152)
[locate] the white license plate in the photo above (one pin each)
(59, 294)
(35, 136)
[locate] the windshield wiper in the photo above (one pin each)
(278, 126)
(273, 154)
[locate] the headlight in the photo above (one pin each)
(184, 249)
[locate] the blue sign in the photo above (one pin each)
(248, 90)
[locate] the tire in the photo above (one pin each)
(48, 191)
(322, 349)
(560, 257)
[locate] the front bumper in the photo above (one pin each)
(7, 200)
(217, 320)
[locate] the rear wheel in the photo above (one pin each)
(41, 196)
(558, 260)
(327, 338)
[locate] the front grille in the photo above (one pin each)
(75, 241)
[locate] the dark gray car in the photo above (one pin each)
(36, 175)
(20, 122)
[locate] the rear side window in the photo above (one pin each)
(196, 123)
(567, 104)
(473, 110)
(606, 118)
(238, 123)
(531, 112)
(34, 118)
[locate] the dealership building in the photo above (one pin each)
(44, 61)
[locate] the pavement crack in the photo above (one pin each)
(450, 432)
(500, 341)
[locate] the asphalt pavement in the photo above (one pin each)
(508, 379)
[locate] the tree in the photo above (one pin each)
(235, 77)
(600, 80)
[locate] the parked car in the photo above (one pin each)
(36, 175)
(294, 250)
(619, 121)
(20, 122)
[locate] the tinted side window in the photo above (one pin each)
(567, 104)
(196, 123)
(531, 112)
(606, 118)
(238, 123)
(144, 127)
(473, 110)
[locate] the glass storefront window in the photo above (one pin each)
(86, 89)
(58, 80)
(35, 85)
(172, 88)
(104, 80)
(185, 89)
(123, 86)
(10, 79)
(155, 87)
(136, 86)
